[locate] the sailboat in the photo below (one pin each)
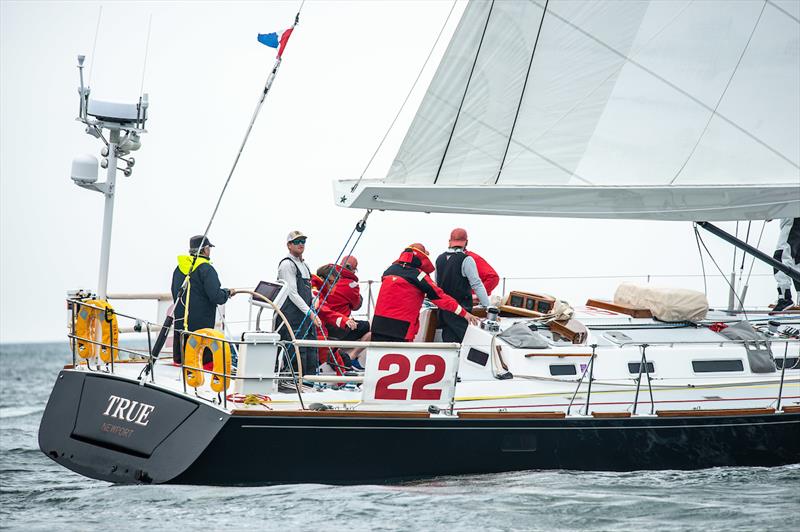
(627, 110)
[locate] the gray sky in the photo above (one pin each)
(346, 70)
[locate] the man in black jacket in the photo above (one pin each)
(203, 292)
(457, 276)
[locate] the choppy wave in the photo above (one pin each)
(8, 412)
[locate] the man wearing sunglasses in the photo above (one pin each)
(294, 270)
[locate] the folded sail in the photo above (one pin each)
(684, 110)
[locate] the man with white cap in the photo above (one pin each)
(294, 270)
(457, 276)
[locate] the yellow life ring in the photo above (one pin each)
(86, 323)
(193, 359)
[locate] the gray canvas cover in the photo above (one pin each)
(759, 354)
(521, 336)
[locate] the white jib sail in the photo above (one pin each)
(682, 110)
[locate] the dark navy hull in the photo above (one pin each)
(307, 447)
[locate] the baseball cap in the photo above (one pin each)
(195, 242)
(419, 247)
(349, 262)
(458, 237)
(295, 234)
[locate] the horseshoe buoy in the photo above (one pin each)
(193, 359)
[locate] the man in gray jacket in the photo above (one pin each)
(294, 270)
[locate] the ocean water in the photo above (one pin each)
(37, 494)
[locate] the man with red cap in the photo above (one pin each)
(457, 275)
(404, 286)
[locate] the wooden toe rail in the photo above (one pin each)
(634, 312)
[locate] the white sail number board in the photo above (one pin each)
(405, 374)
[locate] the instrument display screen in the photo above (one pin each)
(268, 290)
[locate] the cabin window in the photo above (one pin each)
(478, 357)
(713, 366)
(791, 363)
(558, 370)
(633, 367)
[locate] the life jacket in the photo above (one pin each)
(451, 280)
(290, 310)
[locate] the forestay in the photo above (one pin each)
(684, 110)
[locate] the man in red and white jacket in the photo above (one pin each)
(404, 286)
(321, 284)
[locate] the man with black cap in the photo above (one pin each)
(297, 308)
(203, 292)
(457, 275)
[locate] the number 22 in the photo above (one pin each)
(418, 389)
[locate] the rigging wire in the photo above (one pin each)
(733, 290)
(410, 91)
(146, 50)
(94, 45)
(702, 260)
(782, 10)
(752, 261)
(719, 101)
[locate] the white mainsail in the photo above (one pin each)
(684, 110)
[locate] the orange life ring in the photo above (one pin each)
(193, 358)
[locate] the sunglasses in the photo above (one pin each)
(299, 241)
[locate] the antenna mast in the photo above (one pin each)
(119, 126)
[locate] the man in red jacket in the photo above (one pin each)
(404, 286)
(344, 299)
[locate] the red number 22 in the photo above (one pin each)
(418, 389)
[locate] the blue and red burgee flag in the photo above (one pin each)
(275, 40)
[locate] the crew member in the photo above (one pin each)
(404, 286)
(788, 252)
(321, 286)
(344, 299)
(203, 293)
(294, 270)
(457, 275)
